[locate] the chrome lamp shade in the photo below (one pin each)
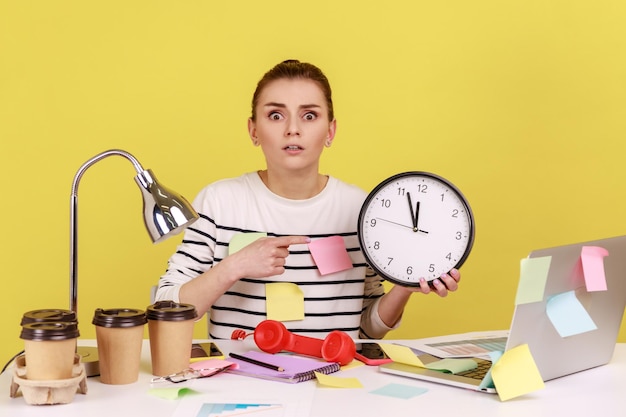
(165, 212)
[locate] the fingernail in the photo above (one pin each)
(308, 240)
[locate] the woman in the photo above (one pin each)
(292, 203)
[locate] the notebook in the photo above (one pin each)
(555, 356)
(296, 368)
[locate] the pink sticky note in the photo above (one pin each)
(593, 267)
(330, 255)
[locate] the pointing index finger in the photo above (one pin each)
(286, 241)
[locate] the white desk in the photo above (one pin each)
(596, 392)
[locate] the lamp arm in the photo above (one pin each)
(74, 220)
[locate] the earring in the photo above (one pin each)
(328, 143)
(255, 142)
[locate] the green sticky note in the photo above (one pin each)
(241, 240)
(532, 281)
(452, 365)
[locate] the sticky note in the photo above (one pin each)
(516, 373)
(337, 382)
(330, 255)
(399, 391)
(592, 258)
(401, 354)
(487, 381)
(532, 282)
(567, 314)
(284, 301)
(453, 365)
(241, 240)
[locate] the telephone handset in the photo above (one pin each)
(272, 336)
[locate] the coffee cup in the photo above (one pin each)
(170, 326)
(48, 315)
(50, 348)
(119, 335)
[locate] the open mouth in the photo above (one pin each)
(292, 148)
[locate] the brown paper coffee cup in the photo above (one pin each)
(170, 326)
(49, 350)
(119, 334)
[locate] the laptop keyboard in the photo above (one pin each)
(479, 372)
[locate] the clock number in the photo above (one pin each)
(390, 261)
(459, 235)
(442, 196)
(377, 245)
(373, 222)
(409, 270)
(449, 256)
(455, 213)
(431, 268)
(385, 202)
(422, 188)
(401, 191)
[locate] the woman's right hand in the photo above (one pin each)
(265, 257)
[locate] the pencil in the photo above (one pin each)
(255, 362)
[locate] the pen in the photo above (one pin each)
(255, 362)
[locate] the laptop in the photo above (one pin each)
(555, 356)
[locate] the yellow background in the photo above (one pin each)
(520, 103)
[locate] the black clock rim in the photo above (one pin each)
(385, 182)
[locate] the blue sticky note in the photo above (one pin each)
(487, 381)
(399, 391)
(568, 315)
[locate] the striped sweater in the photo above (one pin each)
(345, 300)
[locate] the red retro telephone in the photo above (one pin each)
(272, 336)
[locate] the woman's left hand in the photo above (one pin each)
(440, 286)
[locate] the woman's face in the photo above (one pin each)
(292, 125)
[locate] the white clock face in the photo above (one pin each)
(415, 225)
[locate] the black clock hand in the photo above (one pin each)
(413, 214)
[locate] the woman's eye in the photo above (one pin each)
(275, 116)
(310, 116)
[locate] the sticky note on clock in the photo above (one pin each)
(330, 255)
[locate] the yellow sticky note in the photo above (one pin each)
(242, 240)
(401, 354)
(337, 382)
(284, 301)
(516, 373)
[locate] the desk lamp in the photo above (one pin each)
(165, 213)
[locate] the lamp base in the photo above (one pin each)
(89, 357)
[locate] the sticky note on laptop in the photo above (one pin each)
(516, 373)
(592, 258)
(568, 316)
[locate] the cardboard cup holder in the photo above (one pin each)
(60, 391)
